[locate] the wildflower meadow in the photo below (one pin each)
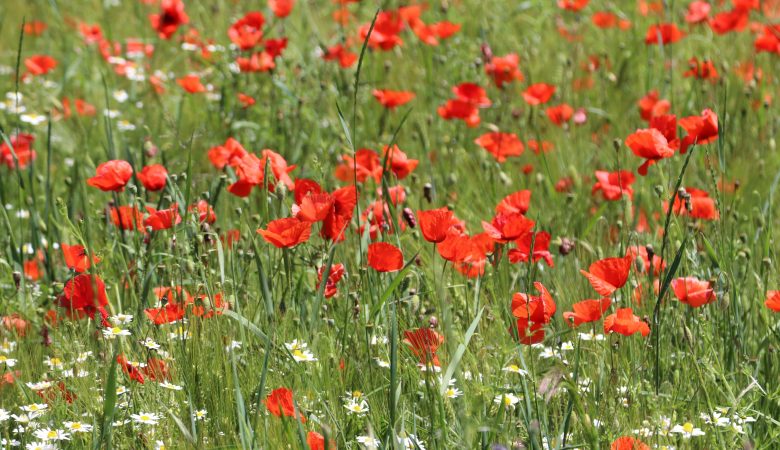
(389, 224)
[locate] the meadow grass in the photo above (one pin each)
(711, 369)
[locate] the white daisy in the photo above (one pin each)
(146, 418)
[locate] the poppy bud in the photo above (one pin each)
(45, 339)
(150, 149)
(428, 192)
(17, 278)
(650, 252)
(409, 217)
(487, 52)
(617, 143)
(566, 247)
(767, 262)
(659, 190)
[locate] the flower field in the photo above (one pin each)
(398, 224)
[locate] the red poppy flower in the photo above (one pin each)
(84, 295)
(586, 311)
(729, 21)
(35, 28)
(698, 12)
(191, 84)
(503, 69)
(245, 100)
(127, 218)
(384, 257)
(364, 165)
(667, 125)
(541, 245)
(559, 114)
(435, 223)
(82, 108)
(226, 154)
(131, 370)
(334, 276)
(315, 441)
(32, 270)
(257, 62)
(22, 149)
(205, 211)
(639, 252)
(76, 257)
(703, 70)
(247, 31)
(702, 205)
(472, 93)
(338, 219)
(501, 145)
(280, 403)
(692, 291)
(430, 34)
(539, 309)
(701, 129)
(286, 233)
(650, 106)
(171, 312)
(613, 185)
(626, 323)
(665, 33)
(650, 144)
(606, 19)
(112, 176)
(250, 172)
(573, 5)
(507, 227)
(279, 168)
(465, 250)
(515, 203)
(773, 300)
(459, 109)
(400, 164)
(281, 8)
(169, 19)
(424, 342)
(40, 64)
(339, 53)
(385, 35)
(153, 177)
(538, 94)
(16, 324)
(769, 40)
(162, 219)
(156, 369)
(609, 274)
(628, 443)
(313, 206)
(392, 99)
